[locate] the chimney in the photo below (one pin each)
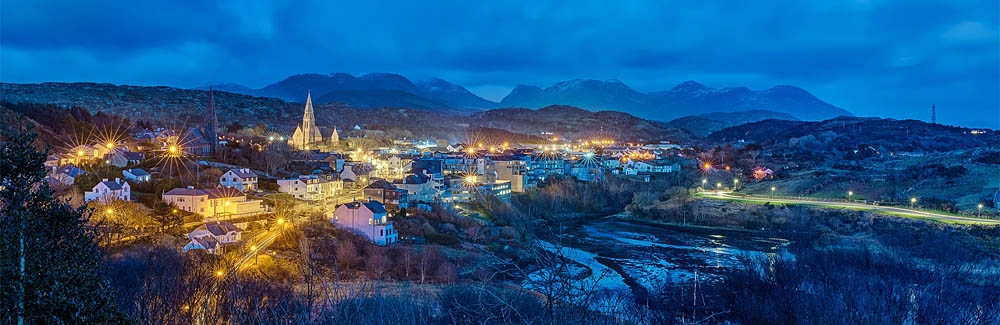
(118, 180)
(105, 180)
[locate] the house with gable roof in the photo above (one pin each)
(368, 218)
(136, 174)
(107, 191)
(242, 179)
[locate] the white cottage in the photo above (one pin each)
(107, 191)
(242, 179)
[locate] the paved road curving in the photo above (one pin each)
(905, 212)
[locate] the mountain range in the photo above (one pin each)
(686, 99)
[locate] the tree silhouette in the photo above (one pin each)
(48, 261)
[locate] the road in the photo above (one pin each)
(261, 241)
(889, 210)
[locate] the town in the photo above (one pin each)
(319, 172)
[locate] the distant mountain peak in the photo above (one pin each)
(689, 85)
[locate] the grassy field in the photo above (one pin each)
(876, 184)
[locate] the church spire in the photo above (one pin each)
(308, 119)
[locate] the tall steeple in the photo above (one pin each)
(308, 120)
(211, 121)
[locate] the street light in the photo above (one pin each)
(913, 201)
(736, 183)
(772, 192)
(718, 186)
(219, 273)
(850, 196)
(704, 182)
(980, 206)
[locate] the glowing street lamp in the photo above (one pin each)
(718, 186)
(736, 183)
(772, 192)
(79, 153)
(110, 145)
(704, 182)
(707, 166)
(913, 201)
(850, 196)
(219, 273)
(980, 206)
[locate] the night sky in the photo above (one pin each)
(872, 57)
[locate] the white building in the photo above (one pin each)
(210, 235)
(368, 218)
(311, 187)
(214, 202)
(634, 168)
(107, 191)
(242, 179)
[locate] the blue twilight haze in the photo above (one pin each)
(891, 58)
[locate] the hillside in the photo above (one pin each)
(686, 99)
(174, 105)
(573, 122)
(848, 133)
(704, 124)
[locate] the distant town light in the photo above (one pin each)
(110, 145)
(79, 152)
(707, 166)
(218, 273)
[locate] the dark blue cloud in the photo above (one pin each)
(874, 57)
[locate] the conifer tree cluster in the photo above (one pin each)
(49, 264)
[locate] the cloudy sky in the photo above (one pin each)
(872, 57)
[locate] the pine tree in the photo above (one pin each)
(49, 264)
